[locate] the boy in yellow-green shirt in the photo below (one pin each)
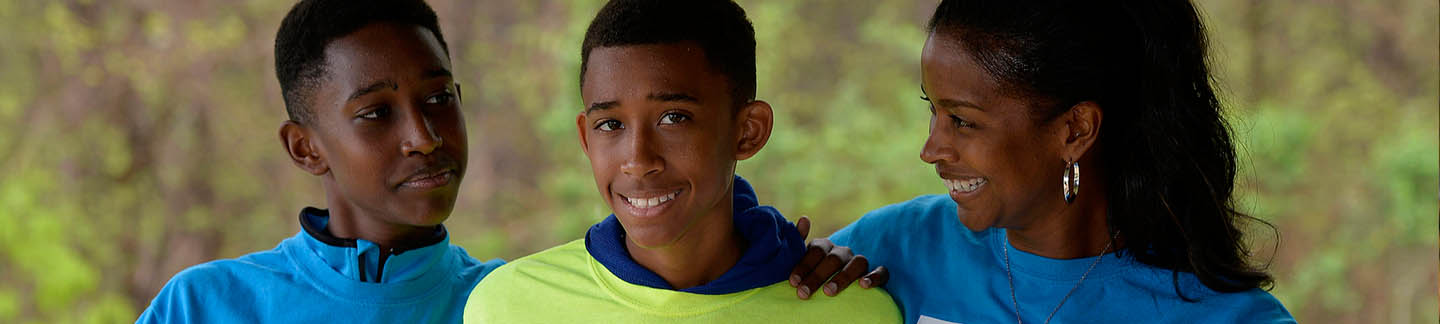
(669, 109)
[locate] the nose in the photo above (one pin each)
(419, 136)
(937, 147)
(641, 157)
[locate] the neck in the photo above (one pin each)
(1078, 230)
(707, 249)
(349, 222)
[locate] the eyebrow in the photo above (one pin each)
(950, 103)
(373, 87)
(435, 73)
(382, 84)
(658, 96)
(672, 97)
(601, 106)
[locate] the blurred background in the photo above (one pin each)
(138, 138)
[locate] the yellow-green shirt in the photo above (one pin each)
(566, 285)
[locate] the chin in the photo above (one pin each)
(651, 236)
(430, 215)
(975, 221)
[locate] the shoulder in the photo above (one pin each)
(261, 265)
(568, 255)
(917, 210)
(921, 211)
(1250, 306)
(568, 261)
(471, 269)
(531, 284)
(854, 305)
(1207, 305)
(207, 283)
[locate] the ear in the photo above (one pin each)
(580, 128)
(1082, 129)
(755, 121)
(301, 148)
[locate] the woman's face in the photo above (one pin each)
(1003, 168)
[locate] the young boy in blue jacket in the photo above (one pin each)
(374, 112)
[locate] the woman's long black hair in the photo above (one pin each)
(1166, 146)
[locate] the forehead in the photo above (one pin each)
(946, 66)
(383, 51)
(950, 72)
(617, 72)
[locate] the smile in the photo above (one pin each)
(964, 186)
(650, 202)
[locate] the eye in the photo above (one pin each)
(609, 125)
(443, 98)
(376, 113)
(961, 123)
(673, 118)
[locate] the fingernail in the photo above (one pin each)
(865, 283)
(804, 292)
(830, 289)
(794, 280)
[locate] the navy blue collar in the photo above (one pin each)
(773, 247)
(316, 221)
(365, 261)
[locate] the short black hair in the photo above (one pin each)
(312, 24)
(718, 26)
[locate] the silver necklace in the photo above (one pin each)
(1011, 279)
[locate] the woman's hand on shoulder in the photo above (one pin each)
(834, 267)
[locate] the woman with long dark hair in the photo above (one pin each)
(1029, 98)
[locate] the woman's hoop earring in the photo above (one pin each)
(1071, 181)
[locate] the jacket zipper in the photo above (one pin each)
(380, 267)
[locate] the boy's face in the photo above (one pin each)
(663, 135)
(387, 131)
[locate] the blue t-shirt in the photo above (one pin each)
(314, 277)
(941, 272)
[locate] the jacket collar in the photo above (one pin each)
(772, 248)
(364, 261)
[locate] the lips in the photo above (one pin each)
(964, 185)
(435, 175)
(646, 203)
(430, 180)
(641, 201)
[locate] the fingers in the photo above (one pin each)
(831, 263)
(852, 270)
(876, 278)
(816, 250)
(803, 224)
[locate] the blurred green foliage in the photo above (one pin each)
(138, 138)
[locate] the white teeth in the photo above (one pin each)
(964, 185)
(651, 202)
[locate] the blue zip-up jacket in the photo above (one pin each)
(314, 277)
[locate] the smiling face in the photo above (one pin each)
(661, 132)
(1001, 166)
(387, 133)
